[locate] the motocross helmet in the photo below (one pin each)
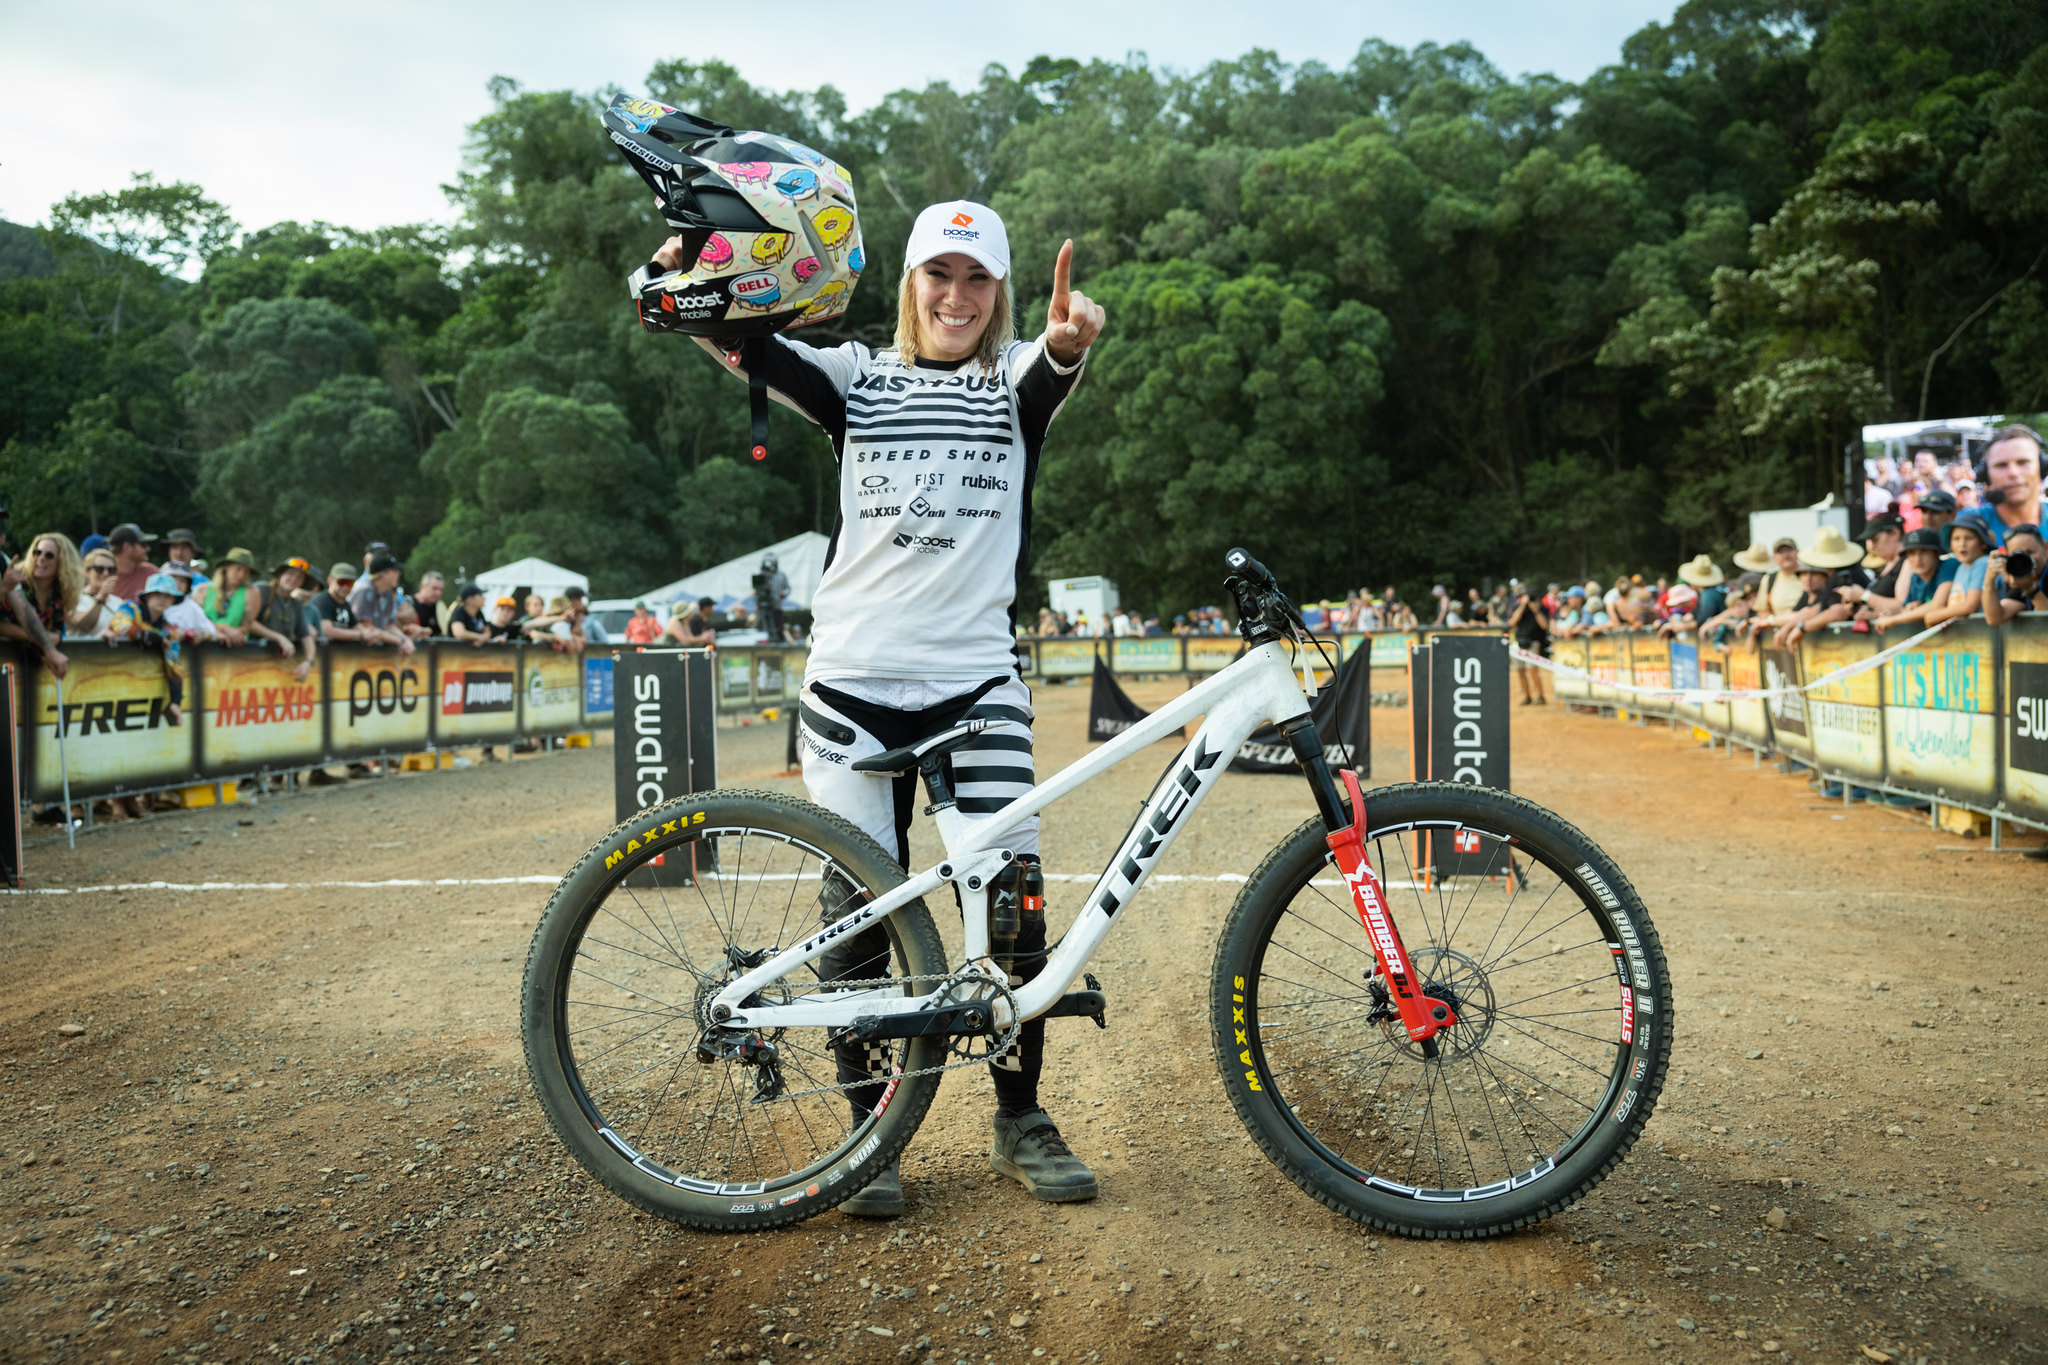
(769, 227)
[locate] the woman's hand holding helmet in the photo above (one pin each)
(1072, 320)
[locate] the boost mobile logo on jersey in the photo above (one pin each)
(924, 545)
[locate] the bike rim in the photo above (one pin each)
(1535, 969)
(632, 1002)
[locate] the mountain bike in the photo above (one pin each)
(1443, 1013)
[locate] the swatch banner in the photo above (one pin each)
(1110, 709)
(1458, 700)
(664, 745)
(1343, 707)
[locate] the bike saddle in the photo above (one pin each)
(911, 756)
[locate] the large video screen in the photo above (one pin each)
(1906, 463)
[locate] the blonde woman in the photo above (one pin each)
(53, 580)
(937, 439)
(100, 570)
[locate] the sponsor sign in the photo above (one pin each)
(1066, 658)
(117, 729)
(1787, 712)
(1390, 648)
(1843, 718)
(376, 700)
(598, 673)
(1745, 672)
(1685, 672)
(735, 677)
(1161, 655)
(1570, 654)
(476, 692)
(1941, 733)
(664, 736)
(771, 678)
(255, 712)
(2026, 720)
(1461, 735)
(553, 690)
(1211, 653)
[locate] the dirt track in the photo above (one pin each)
(296, 1123)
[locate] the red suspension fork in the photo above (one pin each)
(1422, 1016)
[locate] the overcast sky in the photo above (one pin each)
(354, 113)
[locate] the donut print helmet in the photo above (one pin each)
(769, 227)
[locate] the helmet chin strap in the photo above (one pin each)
(754, 351)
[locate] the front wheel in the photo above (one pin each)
(1543, 951)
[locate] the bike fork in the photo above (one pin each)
(1421, 1015)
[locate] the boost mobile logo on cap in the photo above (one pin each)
(963, 226)
(962, 220)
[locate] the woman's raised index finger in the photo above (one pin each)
(1062, 274)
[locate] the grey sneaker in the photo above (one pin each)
(1030, 1150)
(883, 1198)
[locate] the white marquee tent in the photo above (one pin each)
(801, 557)
(535, 575)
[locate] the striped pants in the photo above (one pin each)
(843, 720)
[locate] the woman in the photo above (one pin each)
(100, 570)
(278, 616)
(53, 580)
(230, 599)
(937, 439)
(1531, 627)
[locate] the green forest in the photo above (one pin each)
(1400, 320)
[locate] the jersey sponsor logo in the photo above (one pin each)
(925, 478)
(924, 545)
(985, 481)
(880, 510)
(872, 481)
(920, 508)
(985, 513)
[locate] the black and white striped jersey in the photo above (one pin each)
(936, 464)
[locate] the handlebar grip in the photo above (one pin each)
(1242, 563)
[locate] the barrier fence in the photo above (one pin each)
(1960, 718)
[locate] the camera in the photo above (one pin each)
(2019, 566)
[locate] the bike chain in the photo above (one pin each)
(951, 978)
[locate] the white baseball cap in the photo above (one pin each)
(959, 225)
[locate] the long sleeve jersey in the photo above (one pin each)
(933, 533)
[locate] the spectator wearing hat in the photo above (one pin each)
(376, 549)
(1530, 625)
(1821, 566)
(1881, 540)
(1925, 574)
(1782, 588)
(427, 602)
(1704, 577)
(233, 601)
(643, 629)
(186, 614)
(467, 621)
(132, 569)
(279, 620)
(182, 547)
(375, 605)
(505, 618)
(1443, 605)
(590, 627)
(557, 626)
(331, 609)
(691, 628)
(2012, 580)
(1970, 541)
(1934, 509)
(150, 622)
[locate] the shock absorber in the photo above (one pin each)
(1005, 916)
(1031, 885)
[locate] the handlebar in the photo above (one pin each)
(1264, 612)
(1241, 561)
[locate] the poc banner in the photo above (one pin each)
(664, 735)
(376, 701)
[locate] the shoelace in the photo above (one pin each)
(1048, 1137)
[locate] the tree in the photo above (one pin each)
(264, 352)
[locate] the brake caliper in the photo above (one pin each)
(1422, 1015)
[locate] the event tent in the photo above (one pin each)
(801, 557)
(535, 575)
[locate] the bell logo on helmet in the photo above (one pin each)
(962, 220)
(758, 290)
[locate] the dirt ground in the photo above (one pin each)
(296, 1123)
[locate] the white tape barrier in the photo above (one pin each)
(1696, 695)
(399, 883)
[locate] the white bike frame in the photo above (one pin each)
(1258, 689)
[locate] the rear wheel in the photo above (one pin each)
(637, 942)
(1543, 951)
